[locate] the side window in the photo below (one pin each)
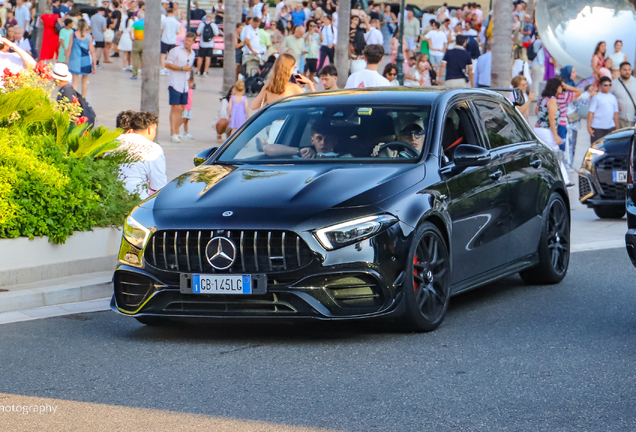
(501, 129)
(523, 126)
(458, 129)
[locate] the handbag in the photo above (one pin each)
(574, 117)
(109, 35)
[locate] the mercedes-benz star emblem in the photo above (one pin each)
(228, 213)
(220, 253)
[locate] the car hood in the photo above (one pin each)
(264, 192)
(617, 142)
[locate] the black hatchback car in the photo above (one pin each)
(347, 205)
(630, 204)
(603, 174)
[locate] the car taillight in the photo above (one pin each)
(630, 170)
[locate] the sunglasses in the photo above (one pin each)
(415, 133)
(607, 85)
(392, 74)
(312, 25)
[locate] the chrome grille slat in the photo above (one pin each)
(269, 250)
(188, 249)
(283, 248)
(255, 254)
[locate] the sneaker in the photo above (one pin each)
(139, 70)
(204, 74)
(100, 67)
(198, 73)
(164, 72)
(186, 135)
(175, 139)
(116, 55)
(133, 77)
(129, 68)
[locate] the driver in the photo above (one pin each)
(411, 133)
(323, 144)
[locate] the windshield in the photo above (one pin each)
(332, 134)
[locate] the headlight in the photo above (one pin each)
(594, 153)
(135, 233)
(346, 233)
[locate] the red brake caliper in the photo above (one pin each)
(414, 273)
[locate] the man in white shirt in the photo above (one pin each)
(22, 15)
(279, 7)
(603, 115)
(252, 40)
(369, 77)
(329, 33)
(206, 43)
(437, 42)
(374, 36)
(624, 88)
(147, 174)
(170, 28)
(16, 61)
(180, 62)
(20, 41)
(258, 9)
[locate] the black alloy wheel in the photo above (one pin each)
(554, 245)
(427, 289)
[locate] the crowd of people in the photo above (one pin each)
(289, 49)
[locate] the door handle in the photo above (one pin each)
(496, 175)
(535, 163)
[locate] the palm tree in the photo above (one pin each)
(229, 38)
(342, 45)
(501, 44)
(150, 73)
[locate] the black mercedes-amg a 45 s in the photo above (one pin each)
(349, 205)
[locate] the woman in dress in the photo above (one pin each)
(279, 85)
(598, 59)
(356, 45)
(50, 39)
(618, 57)
(548, 119)
(81, 56)
(125, 42)
(388, 26)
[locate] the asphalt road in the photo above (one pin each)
(507, 357)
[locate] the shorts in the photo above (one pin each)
(101, 44)
(187, 114)
(311, 65)
(205, 52)
(177, 98)
(165, 48)
(239, 57)
(410, 44)
(562, 132)
(436, 58)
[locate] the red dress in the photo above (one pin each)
(50, 40)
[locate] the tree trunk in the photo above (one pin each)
(342, 45)
(250, 7)
(530, 10)
(40, 28)
(501, 44)
(151, 55)
(229, 37)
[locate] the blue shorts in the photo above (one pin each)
(562, 132)
(177, 98)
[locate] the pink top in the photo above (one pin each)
(188, 107)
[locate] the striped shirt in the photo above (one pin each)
(563, 100)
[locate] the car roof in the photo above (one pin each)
(384, 95)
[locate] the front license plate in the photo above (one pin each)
(223, 284)
(620, 176)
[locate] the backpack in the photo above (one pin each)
(208, 33)
(530, 52)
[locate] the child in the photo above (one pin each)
(237, 108)
(65, 36)
(187, 112)
(222, 121)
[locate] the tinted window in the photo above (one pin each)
(458, 129)
(522, 124)
(501, 129)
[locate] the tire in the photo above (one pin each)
(427, 292)
(554, 245)
(152, 321)
(610, 212)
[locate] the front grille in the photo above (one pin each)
(614, 191)
(611, 163)
(585, 188)
(257, 251)
(268, 303)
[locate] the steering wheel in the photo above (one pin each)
(408, 148)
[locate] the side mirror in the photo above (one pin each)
(204, 155)
(467, 155)
(520, 97)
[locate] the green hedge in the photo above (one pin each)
(49, 189)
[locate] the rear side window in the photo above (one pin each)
(501, 129)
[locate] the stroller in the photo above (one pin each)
(255, 78)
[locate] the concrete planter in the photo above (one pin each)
(24, 261)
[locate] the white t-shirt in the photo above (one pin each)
(258, 10)
(24, 44)
(210, 43)
(366, 78)
(11, 61)
(254, 38)
(471, 32)
(374, 37)
(603, 106)
(438, 39)
(279, 7)
(148, 172)
(170, 27)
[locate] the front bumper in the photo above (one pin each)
(359, 281)
(630, 243)
(596, 184)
